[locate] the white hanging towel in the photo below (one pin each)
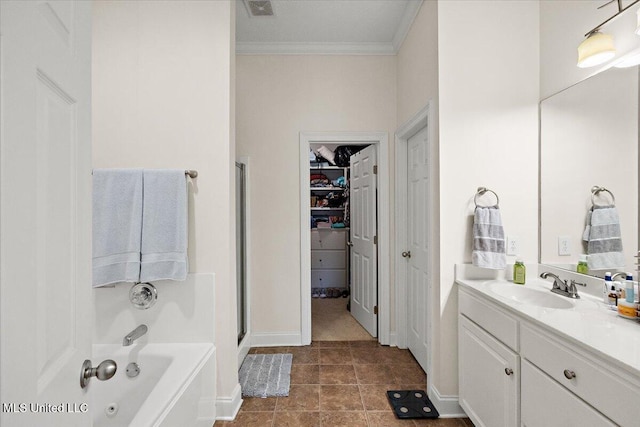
(604, 239)
(164, 225)
(117, 225)
(488, 239)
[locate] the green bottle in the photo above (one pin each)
(519, 272)
(583, 267)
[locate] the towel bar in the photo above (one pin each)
(596, 189)
(481, 191)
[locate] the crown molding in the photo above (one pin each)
(290, 48)
(410, 13)
(306, 48)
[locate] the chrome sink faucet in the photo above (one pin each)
(134, 335)
(561, 287)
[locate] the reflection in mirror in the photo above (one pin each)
(589, 137)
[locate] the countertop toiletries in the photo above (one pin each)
(583, 267)
(519, 272)
(629, 295)
(607, 286)
(627, 309)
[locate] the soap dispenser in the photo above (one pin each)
(583, 267)
(519, 272)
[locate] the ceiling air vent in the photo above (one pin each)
(259, 7)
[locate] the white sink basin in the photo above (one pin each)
(525, 295)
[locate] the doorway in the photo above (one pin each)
(415, 216)
(380, 140)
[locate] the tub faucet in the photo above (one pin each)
(134, 335)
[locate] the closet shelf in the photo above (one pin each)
(318, 168)
(328, 188)
(327, 209)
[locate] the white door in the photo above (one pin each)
(364, 259)
(417, 252)
(45, 212)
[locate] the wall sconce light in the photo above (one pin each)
(598, 47)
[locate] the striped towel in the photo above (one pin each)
(603, 237)
(488, 239)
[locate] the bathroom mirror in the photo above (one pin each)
(589, 137)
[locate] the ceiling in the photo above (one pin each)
(326, 27)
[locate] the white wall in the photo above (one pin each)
(162, 98)
(417, 64)
(563, 24)
(277, 98)
(488, 91)
(589, 137)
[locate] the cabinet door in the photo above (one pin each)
(545, 403)
(489, 376)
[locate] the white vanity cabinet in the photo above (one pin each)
(585, 377)
(552, 381)
(489, 366)
(546, 403)
(489, 377)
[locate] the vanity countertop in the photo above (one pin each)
(589, 323)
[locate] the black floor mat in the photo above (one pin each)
(412, 404)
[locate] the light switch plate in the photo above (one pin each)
(564, 245)
(513, 245)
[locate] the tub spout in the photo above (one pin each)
(134, 335)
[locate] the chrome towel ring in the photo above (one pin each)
(483, 190)
(595, 190)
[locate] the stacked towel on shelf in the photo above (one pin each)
(117, 225)
(604, 240)
(488, 239)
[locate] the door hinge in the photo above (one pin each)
(375, 240)
(375, 309)
(375, 169)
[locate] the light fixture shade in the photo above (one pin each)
(596, 49)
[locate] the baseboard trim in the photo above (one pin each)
(227, 407)
(268, 339)
(393, 339)
(448, 406)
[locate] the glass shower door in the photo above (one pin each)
(241, 250)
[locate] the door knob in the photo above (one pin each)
(406, 254)
(349, 244)
(103, 371)
(569, 374)
(508, 371)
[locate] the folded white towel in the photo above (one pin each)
(488, 239)
(164, 226)
(604, 239)
(117, 225)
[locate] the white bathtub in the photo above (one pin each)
(166, 393)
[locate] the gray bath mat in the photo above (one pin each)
(266, 375)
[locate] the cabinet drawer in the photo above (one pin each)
(328, 239)
(610, 393)
(489, 374)
(328, 259)
(328, 278)
(496, 322)
(545, 403)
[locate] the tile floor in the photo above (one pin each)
(340, 383)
